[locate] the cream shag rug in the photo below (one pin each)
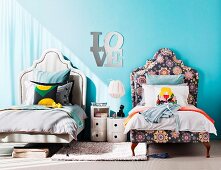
(100, 151)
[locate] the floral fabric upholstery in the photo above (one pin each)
(167, 136)
(164, 62)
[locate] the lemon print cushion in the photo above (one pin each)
(45, 95)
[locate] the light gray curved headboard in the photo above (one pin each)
(52, 60)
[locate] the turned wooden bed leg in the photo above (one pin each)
(133, 146)
(207, 145)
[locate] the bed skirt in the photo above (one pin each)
(168, 136)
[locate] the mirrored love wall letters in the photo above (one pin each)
(112, 54)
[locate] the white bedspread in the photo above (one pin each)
(189, 121)
(42, 120)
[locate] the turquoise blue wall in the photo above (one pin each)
(192, 28)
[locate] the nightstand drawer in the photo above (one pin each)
(98, 136)
(115, 125)
(116, 137)
(99, 124)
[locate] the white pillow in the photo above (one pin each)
(177, 93)
(30, 92)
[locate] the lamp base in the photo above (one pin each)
(120, 113)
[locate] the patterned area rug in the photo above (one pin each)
(100, 151)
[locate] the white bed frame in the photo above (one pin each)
(51, 60)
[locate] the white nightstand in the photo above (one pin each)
(115, 130)
(99, 122)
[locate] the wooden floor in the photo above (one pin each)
(183, 157)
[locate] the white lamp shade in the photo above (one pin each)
(116, 89)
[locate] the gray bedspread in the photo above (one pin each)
(38, 119)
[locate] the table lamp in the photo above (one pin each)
(116, 90)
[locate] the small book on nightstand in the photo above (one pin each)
(21, 152)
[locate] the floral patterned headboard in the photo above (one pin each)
(164, 62)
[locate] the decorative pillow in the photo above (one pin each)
(155, 95)
(166, 95)
(51, 77)
(46, 84)
(30, 92)
(45, 95)
(63, 93)
(164, 79)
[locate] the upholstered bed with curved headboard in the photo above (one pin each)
(51, 60)
(194, 126)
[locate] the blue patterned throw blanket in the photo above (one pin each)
(165, 110)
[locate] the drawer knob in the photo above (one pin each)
(96, 135)
(115, 136)
(97, 124)
(115, 125)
